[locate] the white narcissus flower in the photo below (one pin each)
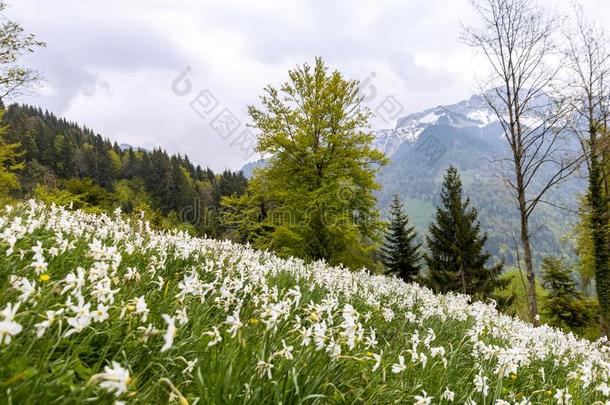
(563, 397)
(286, 351)
(100, 314)
(480, 384)
(234, 323)
(170, 333)
(8, 326)
(215, 334)
(604, 389)
(423, 399)
(377, 358)
(141, 307)
(41, 327)
(400, 366)
(448, 395)
(181, 316)
(264, 369)
(114, 379)
(388, 314)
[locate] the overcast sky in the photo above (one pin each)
(110, 64)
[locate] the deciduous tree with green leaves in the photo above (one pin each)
(314, 199)
(457, 260)
(400, 252)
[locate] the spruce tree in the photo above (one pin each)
(400, 252)
(457, 260)
(564, 305)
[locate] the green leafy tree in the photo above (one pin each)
(457, 260)
(400, 251)
(564, 305)
(10, 155)
(314, 199)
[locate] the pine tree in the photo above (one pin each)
(400, 252)
(564, 304)
(457, 259)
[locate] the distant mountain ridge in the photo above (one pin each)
(469, 136)
(471, 113)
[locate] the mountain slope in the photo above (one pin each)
(97, 309)
(469, 137)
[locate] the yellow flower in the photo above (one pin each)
(513, 376)
(44, 277)
(314, 317)
(253, 321)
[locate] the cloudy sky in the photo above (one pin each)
(110, 64)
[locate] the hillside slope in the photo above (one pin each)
(98, 309)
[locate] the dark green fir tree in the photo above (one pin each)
(400, 252)
(564, 305)
(457, 259)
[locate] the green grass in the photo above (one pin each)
(57, 368)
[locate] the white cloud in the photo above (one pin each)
(109, 64)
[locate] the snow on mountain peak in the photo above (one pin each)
(471, 113)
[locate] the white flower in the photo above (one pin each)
(388, 314)
(190, 365)
(8, 326)
(181, 316)
(215, 334)
(563, 397)
(170, 333)
(400, 366)
(604, 389)
(114, 379)
(234, 323)
(437, 351)
(132, 274)
(148, 331)
(82, 317)
(41, 327)
(480, 384)
(423, 399)
(377, 358)
(141, 307)
(448, 395)
(264, 368)
(100, 314)
(74, 281)
(26, 287)
(286, 352)
(334, 349)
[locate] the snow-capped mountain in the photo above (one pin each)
(471, 113)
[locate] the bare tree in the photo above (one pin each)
(14, 43)
(589, 63)
(517, 40)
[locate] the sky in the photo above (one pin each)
(180, 74)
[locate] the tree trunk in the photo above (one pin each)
(527, 248)
(598, 229)
(529, 268)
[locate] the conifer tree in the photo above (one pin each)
(564, 304)
(457, 260)
(400, 252)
